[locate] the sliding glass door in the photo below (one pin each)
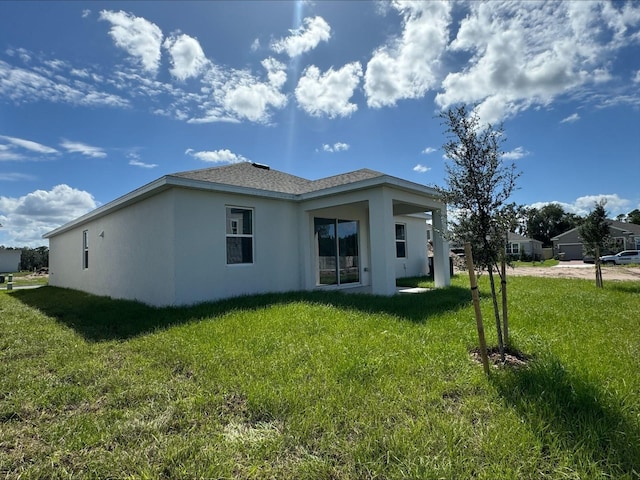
(337, 242)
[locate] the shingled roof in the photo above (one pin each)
(245, 176)
(261, 177)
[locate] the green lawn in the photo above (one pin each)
(552, 262)
(21, 279)
(321, 386)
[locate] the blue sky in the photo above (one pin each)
(99, 98)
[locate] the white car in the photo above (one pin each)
(623, 258)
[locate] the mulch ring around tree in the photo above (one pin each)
(512, 358)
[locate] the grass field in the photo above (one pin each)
(321, 386)
(21, 279)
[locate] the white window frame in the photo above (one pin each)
(401, 240)
(232, 227)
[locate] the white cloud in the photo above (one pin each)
(571, 118)
(11, 156)
(23, 54)
(139, 37)
(39, 84)
(216, 156)
(515, 154)
(86, 12)
(584, 205)
(25, 219)
(406, 67)
(305, 38)
(187, 57)
(244, 96)
(429, 150)
(421, 168)
(83, 149)
(336, 147)
(527, 53)
(636, 78)
(614, 204)
(329, 93)
(16, 177)
(134, 160)
(29, 145)
(255, 46)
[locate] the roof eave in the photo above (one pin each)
(169, 181)
(371, 183)
(145, 191)
(157, 186)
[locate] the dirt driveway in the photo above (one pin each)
(578, 270)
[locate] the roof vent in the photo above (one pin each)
(261, 165)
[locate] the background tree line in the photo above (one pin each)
(551, 220)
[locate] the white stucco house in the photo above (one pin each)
(243, 229)
(9, 260)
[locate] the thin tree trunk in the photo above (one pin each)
(476, 307)
(496, 311)
(505, 318)
(599, 283)
(598, 269)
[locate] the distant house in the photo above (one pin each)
(243, 229)
(9, 260)
(523, 247)
(624, 236)
(516, 246)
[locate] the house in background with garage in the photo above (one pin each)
(245, 229)
(624, 236)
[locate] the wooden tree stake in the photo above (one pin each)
(505, 320)
(476, 307)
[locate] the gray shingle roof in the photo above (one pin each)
(246, 174)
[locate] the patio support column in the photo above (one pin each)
(382, 239)
(306, 252)
(441, 273)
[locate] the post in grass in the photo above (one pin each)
(476, 306)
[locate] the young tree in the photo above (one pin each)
(478, 185)
(595, 236)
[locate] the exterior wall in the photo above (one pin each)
(9, 260)
(170, 248)
(415, 264)
(202, 273)
(532, 248)
(131, 253)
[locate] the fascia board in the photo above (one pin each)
(226, 188)
(132, 197)
(156, 187)
(383, 180)
(169, 181)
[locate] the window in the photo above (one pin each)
(401, 240)
(513, 248)
(338, 259)
(85, 249)
(239, 235)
